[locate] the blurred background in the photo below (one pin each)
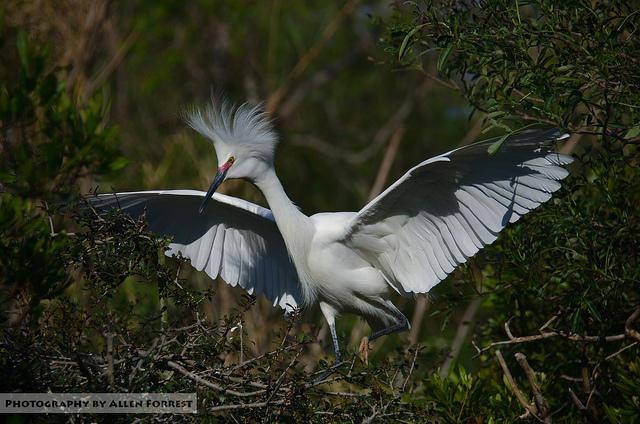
(91, 94)
(351, 120)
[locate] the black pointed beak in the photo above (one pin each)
(219, 178)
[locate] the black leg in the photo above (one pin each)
(336, 347)
(401, 326)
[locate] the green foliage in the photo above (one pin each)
(556, 266)
(49, 142)
(91, 304)
(628, 408)
(569, 64)
(572, 266)
(29, 256)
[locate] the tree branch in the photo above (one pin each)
(541, 403)
(629, 332)
(531, 409)
(198, 379)
(246, 406)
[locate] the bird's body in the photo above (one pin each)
(404, 241)
(340, 280)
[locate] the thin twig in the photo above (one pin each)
(507, 329)
(108, 69)
(264, 355)
(209, 384)
(548, 323)
(619, 351)
(541, 403)
(628, 330)
(110, 370)
(387, 162)
(576, 400)
(345, 394)
(242, 381)
(550, 334)
(279, 380)
(442, 82)
(141, 361)
(413, 364)
(383, 134)
(245, 406)
(514, 386)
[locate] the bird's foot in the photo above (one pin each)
(363, 350)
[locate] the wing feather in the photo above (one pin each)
(234, 239)
(447, 208)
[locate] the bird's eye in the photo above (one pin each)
(231, 160)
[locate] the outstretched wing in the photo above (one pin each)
(234, 239)
(448, 207)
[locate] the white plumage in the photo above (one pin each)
(407, 240)
(234, 239)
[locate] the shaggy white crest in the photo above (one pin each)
(406, 240)
(231, 128)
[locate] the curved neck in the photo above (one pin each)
(296, 228)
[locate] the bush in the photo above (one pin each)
(91, 304)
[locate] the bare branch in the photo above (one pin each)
(531, 409)
(198, 379)
(387, 162)
(110, 373)
(245, 406)
(628, 330)
(413, 363)
(284, 372)
(422, 305)
(541, 403)
(550, 334)
(576, 401)
(619, 351)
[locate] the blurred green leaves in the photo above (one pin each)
(49, 140)
(48, 143)
(569, 64)
(572, 65)
(69, 285)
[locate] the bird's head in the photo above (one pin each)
(242, 136)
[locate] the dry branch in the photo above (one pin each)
(422, 305)
(541, 404)
(245, 406)
(629, 332)
(387, 162)
(198, 379)
(529, 408)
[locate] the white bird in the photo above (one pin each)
(406, 240)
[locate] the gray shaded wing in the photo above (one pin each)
(234, 239)
(448, 207)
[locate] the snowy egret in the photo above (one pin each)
(406, 240)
